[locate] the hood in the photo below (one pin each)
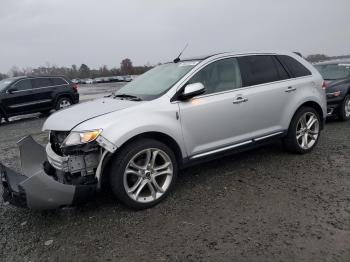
(67, 119)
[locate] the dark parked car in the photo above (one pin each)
(336, 74)
(26, 95)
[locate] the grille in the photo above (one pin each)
(56, 140)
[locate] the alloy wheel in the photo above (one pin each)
(64, 103)
(347, 107)
(148, 175)
(308, 129)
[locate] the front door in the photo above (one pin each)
(212, 120)
(19, 97)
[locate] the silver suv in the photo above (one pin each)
(176, 114)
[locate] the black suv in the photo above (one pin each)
(26, 95)
(336, 74)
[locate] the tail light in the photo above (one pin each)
(324, 86)
(75, 87)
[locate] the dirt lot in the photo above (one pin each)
(262, 205)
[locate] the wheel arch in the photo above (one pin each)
(161, 137)
(2, 111)
(315, 106)
(156, 135)
(61, 95)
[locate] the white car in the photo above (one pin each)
(175, 115)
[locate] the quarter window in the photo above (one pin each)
(57, 81)
(42, 82)
(294, 68)
(261, 69)
(219, 76)
(23, 85)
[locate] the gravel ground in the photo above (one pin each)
(261, 205)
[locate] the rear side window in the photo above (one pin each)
(294, 68)
(261, 69)
(57, 81)
(41, 82)
(23, 85)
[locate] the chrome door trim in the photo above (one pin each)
(30, 103)
(268, 136)
(235, 145)
(221, 149)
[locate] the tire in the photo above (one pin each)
(63, 102)
(344, 110)
(139, 181)
(301, 139)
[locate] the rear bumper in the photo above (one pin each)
(35, 188)
(332, 107)
(75, 98)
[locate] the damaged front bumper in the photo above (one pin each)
(37, 187)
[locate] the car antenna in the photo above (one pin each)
(177, 59)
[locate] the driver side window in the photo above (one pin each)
(219, 76)
(23, 85)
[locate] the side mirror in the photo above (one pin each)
(192, 90)
(11, 90)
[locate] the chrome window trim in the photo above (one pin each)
(186, 79)
(14, 84)
(33, 78)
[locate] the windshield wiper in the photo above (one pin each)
(129, 97)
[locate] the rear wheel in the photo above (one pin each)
(304, 131)
(63, 102)
(344, 110)
(143, 173)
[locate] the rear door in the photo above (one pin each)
(19, 97)
(267, 88)
(43, 88)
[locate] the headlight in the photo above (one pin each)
(78, 138)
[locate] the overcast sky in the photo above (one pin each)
(103, 32)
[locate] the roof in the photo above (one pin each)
(203, 57)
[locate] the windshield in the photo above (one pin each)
(5, 83)
(334, 71)
(157, 81)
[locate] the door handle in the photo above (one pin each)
(239, 100)
(290, 89)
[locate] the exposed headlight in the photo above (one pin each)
(83, 137)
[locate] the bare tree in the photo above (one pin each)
(126, 67)
(317, 58)
(84, 71)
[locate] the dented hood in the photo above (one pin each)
(67, 119)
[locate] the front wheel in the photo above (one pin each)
(304, 131)
(344, 112)
(143, 173)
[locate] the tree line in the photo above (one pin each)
(81, 72)
(126, 68)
